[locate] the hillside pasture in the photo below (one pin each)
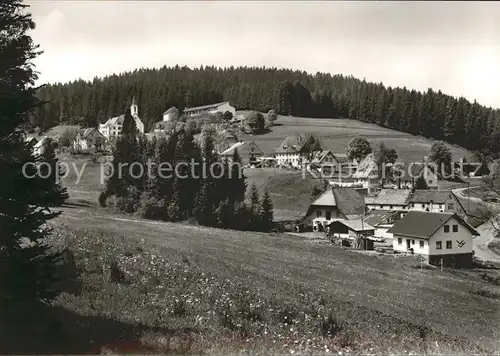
(381, 297)
(336, 133)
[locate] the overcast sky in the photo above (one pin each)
(454, 47)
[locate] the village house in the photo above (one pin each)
(439, 237)
(351, 229)
(89, 139)
(41, 145)
(212, 109)
(294, 151)
(439, 201)
(425, 170)
(172, 114)
(382, 221)
(389, 199)
(249, 152)
(367, 174)
(335, 203)
(324, 162)
(114, 126)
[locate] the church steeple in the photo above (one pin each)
(134, 109)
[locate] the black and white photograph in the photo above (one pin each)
(249, 177)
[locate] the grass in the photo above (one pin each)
(336, 133)
(495, 246)
(185, 290)
(373, 296)
(290, 192)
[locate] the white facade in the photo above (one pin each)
(430, 207)
(325, 215)
(289, 159)
(212, 109)
(391, 207)
(171, 116)
(114, 126)
(451, 238)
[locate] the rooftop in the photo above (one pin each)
(423, 225)
(380, 217)
(205, 107)
(426, 196)
(357, 225)
(172, 109)
(390, 197)
(346, 199)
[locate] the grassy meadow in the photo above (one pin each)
(336, 133)
(173, 288)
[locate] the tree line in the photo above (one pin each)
(186, 181)
(430, 114)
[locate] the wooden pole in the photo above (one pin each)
(468, 198)
(441, 264)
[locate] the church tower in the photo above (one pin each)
(134, 109)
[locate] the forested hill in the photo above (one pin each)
(431, 114)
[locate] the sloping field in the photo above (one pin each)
(365, 287)
(336, 133)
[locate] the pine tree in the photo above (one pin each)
(27, 271)
(49, 168)
(266, 212)
(420, 183)
(254, 207)
(237, 185)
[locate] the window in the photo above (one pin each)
(318, 213)
(430, 181)
(400, 241)
(421, 244)
(448, 244)
(328, 215)
(381, 206)
(450, 205)
(447, 228)
(390, 206)
(413, 242)
(413, 205)
(455, 228)
(438, 245)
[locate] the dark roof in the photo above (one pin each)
(290, 144)
(426, 196)
(341, 157)
(172, 109)
(294, 144)
(196, 108)
(379, 217)
(346, 199)
(390, 197)
(425, 224)
(84, 133)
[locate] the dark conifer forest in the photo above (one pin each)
(431, 114)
